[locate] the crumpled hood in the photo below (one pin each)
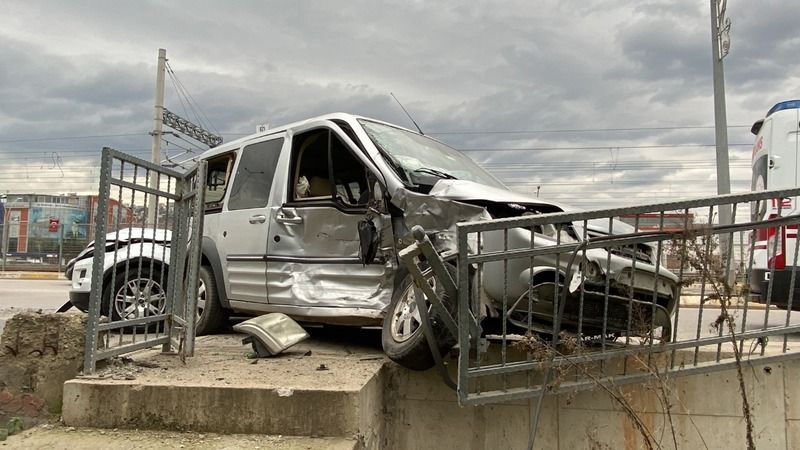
(465, 191)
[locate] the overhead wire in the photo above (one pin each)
(229, 133)
(596, 147)
(587, 130)
(63, 138)
(192, 102)
(505, 170)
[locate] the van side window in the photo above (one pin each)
(316, 155)
(219, 172)
(253, 179)
(311, 177)
(349, 177)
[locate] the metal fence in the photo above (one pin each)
(550, 303)
(144, 269)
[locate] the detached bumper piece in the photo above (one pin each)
(271, 334)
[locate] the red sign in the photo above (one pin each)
(53, 226)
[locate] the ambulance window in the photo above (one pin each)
(758, 209)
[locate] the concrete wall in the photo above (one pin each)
(421, 412)
(400, 409)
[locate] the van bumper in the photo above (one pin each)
(781, 282)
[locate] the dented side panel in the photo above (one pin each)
(314, 261)
(330, 284)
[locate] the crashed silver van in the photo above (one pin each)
(308, 219)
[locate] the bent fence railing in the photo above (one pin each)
(549, 303)
(144, 269)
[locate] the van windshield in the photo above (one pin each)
(420, 158)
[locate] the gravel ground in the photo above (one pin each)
(57, 437)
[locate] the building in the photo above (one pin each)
(35, 224)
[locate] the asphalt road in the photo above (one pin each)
(20, 295)
(49, 295)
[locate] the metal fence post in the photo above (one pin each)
(5, 243)
(60, 245)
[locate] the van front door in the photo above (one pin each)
(313, 252)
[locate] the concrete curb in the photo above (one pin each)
(750, 306)
(31, 276)
(694, 302)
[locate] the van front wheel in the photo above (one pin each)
(403, 339)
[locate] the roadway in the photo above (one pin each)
(31, 295)
(48, 295)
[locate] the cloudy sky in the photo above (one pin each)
(595, 103)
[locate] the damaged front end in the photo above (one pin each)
(591, 291)
(611, 290)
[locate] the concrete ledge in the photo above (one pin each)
(349, 392)
(317, 388)
(211, 408)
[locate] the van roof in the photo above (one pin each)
(244, 140)
(788, 104)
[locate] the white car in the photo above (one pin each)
(140, 253)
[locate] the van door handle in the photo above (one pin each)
(280, 218)
(260, 218)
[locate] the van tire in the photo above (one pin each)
(213, 318)
(411, 350)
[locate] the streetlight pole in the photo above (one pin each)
(720, 44)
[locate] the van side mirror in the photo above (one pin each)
(757, 126)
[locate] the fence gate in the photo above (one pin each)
(144, 279)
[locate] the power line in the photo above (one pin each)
(603, 147)
(573, 130)
(191, 101)
(637, 161)
(605, 182)
(66, 150)
(59, 138)
(590, 130)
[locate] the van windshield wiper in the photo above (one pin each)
(393, 163)
(435, 172)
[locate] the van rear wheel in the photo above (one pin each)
(211, 317)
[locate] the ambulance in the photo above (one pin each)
(775, 166)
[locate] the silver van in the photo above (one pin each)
(307, 219)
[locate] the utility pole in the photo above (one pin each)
(720, 45)
(158, 124)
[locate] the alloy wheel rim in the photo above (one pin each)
(406, 319)
(201, 298)
(138, 298)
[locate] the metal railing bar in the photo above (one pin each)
(569, 217)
